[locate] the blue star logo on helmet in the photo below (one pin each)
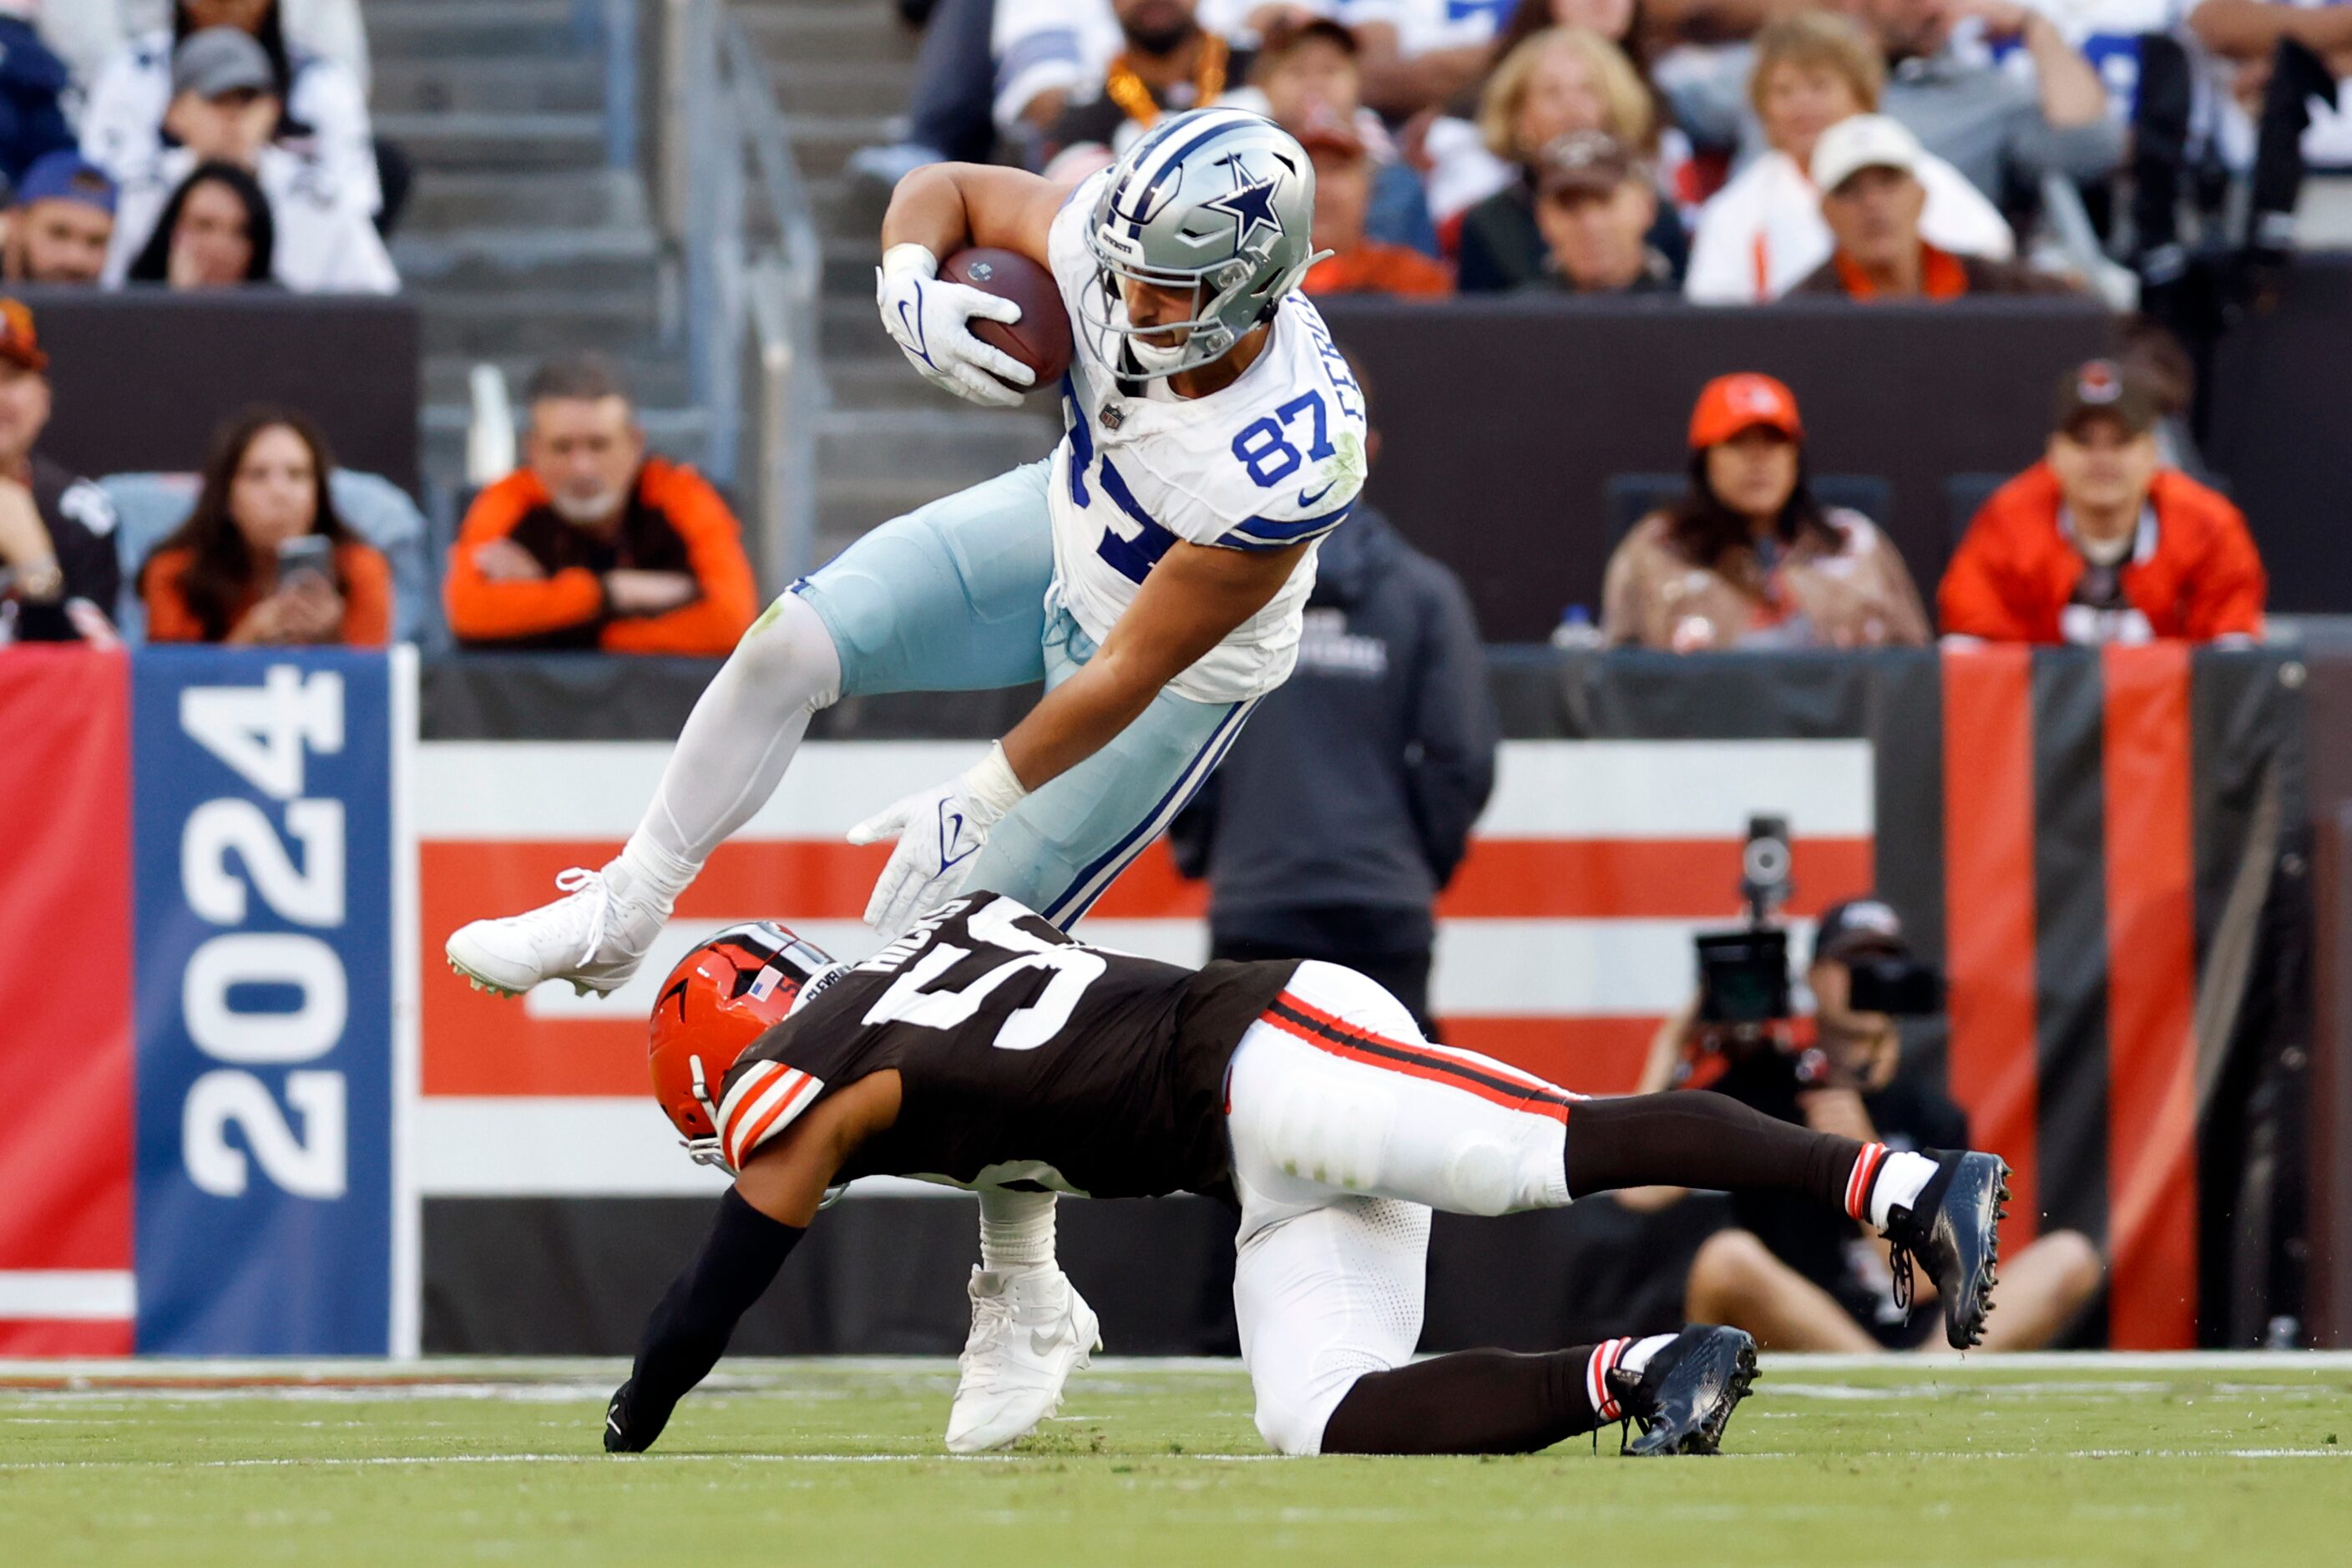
(1250, 204)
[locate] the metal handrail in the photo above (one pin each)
(751, 302)
(783, 287)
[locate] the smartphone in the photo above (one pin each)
(306, 553)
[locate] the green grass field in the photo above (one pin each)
(1997, 1460)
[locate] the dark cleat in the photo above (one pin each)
(1954, 1232)
(1688, 1391)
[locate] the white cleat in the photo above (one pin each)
(1030, 1329)
(594, 937)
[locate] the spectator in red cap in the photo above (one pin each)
(57, 531)
(2099, 543)
(1747, 558)
(1595, 205)
(1867, 169)
(1343, 197)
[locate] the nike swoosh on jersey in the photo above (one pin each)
(1305, 500)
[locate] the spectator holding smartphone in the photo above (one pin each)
(1748, 558)
(264, 559)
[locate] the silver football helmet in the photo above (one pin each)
(1217, 201)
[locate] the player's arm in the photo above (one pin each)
(936, 211)
(760, 1219)
(1189, 602)
(944, 207)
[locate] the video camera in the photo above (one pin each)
(1744, 977)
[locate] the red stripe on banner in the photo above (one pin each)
(1989, 915)
(1639, 878)
(66, 1337)
(65, 896)
(479, 1045)
(2152, 1000)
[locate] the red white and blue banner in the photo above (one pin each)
(234, 1119)
(206, 1032)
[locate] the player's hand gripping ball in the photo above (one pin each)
(956, 333)
(1040, 336)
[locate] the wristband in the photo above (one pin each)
(907, 257)
(992, 785)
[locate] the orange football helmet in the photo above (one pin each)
(721, 996)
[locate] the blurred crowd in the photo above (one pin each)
(1733, 150)
(192, 145)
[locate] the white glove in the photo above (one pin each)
(940, 831)
(927, 318)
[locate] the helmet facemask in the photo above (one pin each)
(1240, 203)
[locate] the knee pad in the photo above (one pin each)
(790, 650)
(1320, 1127)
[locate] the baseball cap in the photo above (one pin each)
(1326, 132)
(1286, 32)
(1860, 926)
(2101, 390)
(1730, 403)
(1590, 162)
(221, 60)
(66, 176)
(1862, 141)
(20, 344)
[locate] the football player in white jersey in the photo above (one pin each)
(1151, 573)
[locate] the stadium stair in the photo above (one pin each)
(518, 241)
(890, 441)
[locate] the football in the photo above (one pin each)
(1041, 338)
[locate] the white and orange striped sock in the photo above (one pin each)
(1883, 1180)
(1627, 1355)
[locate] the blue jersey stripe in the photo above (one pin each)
(1267, 533)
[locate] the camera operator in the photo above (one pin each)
(1800, 1281)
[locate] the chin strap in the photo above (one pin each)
(706, 1150)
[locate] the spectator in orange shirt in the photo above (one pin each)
(1343, 197)
(595, 545)
(1866, 167)
(244, 569)
(2098, 543)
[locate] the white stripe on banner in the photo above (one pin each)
(1485, 968)
(1678, 789)
(572, 1148)
(518, 791)
(62, 1294)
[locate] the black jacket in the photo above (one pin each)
(1347, 802)
(80, 521)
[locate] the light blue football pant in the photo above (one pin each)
(952, 597)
